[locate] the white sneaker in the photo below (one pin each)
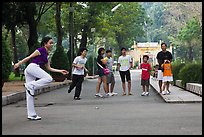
(29, 90)
(163, 92)
(143, 93)
(98, 95)
(110, 94)
(106, 95)
(147, 94)
(36, 117)
(168, 92)
(114, 93)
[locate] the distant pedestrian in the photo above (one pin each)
(110, 76)
(124, 66)
(146, 68)
(164, 54)
(101, 63)
(34, 71)
(167, 76)
(78, 73)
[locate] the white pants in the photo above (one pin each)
(160, 75)
(32, 72)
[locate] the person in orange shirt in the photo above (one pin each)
(167, 76)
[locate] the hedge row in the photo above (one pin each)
(187, 72)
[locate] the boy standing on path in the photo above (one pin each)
(146, 67)
(110, 76)
(78, 73)
(124, 66)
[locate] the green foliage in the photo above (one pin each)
(191, 31)
(12, 77)
(177, 66)
(89, 65)
(59, 60)
(191, 72)
(6, 61)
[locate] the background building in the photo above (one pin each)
(148, 48)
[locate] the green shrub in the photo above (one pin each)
(191, 73)
(6, 61)
(176, 67)
(89, 65)
(59, 60)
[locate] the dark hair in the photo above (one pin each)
(123, 48)
(99, 50)
(163, 43)
(45, 40)
(146, 57)
(107, 51)
(81, 50)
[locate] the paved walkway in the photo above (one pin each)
(178, 95)
(116, 115)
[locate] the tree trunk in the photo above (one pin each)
(84, 37)
(58, 23)
(33, 36)
(191, 53)
(71, 35)
(15, 55)
(119, 40)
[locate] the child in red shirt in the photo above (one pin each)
(146, 67)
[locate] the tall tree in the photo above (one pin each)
(58, 23)
(14, 18)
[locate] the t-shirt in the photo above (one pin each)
(146, 67)
(100, 62)
(42, 58)
(124, 62)
(167, 69)
(110, 64)
(79, 61)
(161, 56)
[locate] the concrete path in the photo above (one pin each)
(178, 95)
(116, 115)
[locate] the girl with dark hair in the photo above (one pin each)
(101, 63)
(33, 70)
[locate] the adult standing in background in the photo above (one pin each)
(164, 54)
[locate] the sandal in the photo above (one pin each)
(124, 94)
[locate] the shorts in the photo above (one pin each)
(167, 78)
(160, 75)
(124, 74)
(145, 82)
(110, 78)
(101, 73)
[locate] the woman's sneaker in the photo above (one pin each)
(163, 92)
(114, 93)
(36, 117)
(168, 92)
(143, 93)
(147, 94)
(98, 95)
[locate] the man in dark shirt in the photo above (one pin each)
(164, 54)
